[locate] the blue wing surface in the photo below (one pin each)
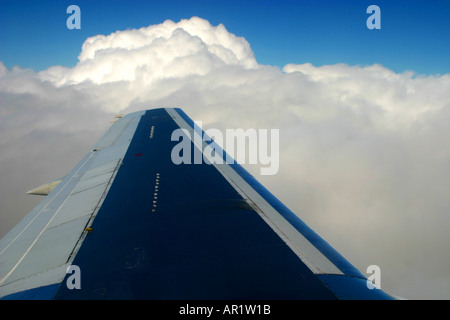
(139, 226)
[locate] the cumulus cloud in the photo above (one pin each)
(168, 50)
(363, 150)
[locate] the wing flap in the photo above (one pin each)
(47, 242)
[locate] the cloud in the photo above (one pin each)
(363, 150)
(167, 50)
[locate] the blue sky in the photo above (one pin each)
(414, 35)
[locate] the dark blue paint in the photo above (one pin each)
(40, 293)
(203, 241)
(352, 288)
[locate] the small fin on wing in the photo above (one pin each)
(45, 189)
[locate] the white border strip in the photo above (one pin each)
(305, 250)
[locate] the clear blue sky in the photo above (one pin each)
(414, 34)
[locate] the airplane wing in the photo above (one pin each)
(129, 223)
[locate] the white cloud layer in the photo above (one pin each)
(364, 151)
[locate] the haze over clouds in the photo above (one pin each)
(364, 151)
